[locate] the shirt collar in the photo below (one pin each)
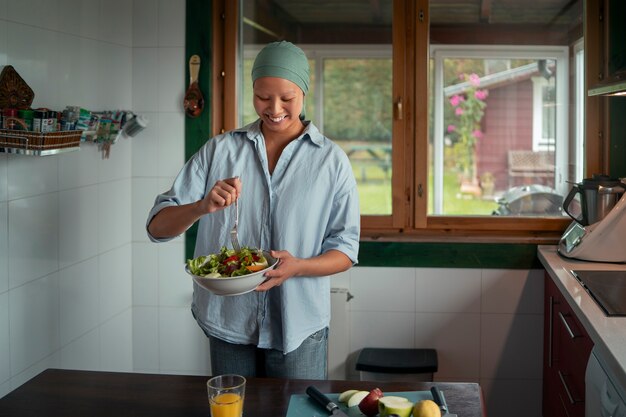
(311, 132)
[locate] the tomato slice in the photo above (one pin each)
(230, 259)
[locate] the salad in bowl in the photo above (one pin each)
(229, 272)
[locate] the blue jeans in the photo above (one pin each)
(308, 361)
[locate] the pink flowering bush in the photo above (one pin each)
(469, 109)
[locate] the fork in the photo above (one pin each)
(234, 238)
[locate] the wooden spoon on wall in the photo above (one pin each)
(194, 101)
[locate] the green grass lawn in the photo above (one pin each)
(454, 203)
(375, 194)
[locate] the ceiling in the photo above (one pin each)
(333, 20)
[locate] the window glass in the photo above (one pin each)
(501, 114)
(357, 114)
(497, 133)
(579, 120)
(349, 100)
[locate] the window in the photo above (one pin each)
(390, 83)
(579, 119)
(496, 118)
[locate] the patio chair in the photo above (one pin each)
(530, 164)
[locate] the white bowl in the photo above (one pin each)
(234, 285)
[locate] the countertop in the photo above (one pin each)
(607, 333)
(63, 393)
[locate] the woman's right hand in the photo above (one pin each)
(223, 194)
(175, 220)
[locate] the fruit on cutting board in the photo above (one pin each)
(426, 408)
(345, 396)
(369, 404)
(390, 405)
(356, 398)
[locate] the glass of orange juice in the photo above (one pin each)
(226, 395)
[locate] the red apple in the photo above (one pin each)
(369, 404)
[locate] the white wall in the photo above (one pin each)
(486, 325)
(65, 239)
(82, 287)
(166, 338)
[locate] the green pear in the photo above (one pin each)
(356, 398)
(345, 396)
(394, 405)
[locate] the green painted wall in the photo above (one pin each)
(449, 255)
(197, 130)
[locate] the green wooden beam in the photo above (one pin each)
(198, 42)
(449, 255)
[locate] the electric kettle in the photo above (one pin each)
(598, 196)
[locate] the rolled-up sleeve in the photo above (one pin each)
(343, 229)
(188, 187)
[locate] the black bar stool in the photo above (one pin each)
(381, 364)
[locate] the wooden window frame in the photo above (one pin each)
(409, 220)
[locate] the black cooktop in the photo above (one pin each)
(608, 289)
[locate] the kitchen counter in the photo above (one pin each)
(607, 333)
(62, 393)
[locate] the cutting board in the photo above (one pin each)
(301, 405)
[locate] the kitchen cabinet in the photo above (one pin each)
(606, 23)
(567, 347)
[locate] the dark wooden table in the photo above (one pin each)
(67, 393)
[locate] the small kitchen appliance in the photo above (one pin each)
(598, 232)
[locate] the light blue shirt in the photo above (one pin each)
(307, 206)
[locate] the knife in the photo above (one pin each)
(331, 407)
(441, 402)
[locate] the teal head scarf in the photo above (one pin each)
(283, 60)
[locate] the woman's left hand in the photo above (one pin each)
(287, 267)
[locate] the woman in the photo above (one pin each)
(297, 195)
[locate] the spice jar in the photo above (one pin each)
(39, 119)
(8, 119)
(68, 119)
(51, 122)
(27, 117)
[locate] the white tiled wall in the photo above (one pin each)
(161, 288)
(486, 326)
(82, 287)
(65, 220)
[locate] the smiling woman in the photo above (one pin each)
(283, 169)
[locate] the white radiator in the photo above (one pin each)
(339, 333)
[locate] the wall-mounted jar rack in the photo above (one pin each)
(37, 143)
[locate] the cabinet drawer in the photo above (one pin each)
(567, 349)
(574, 343)
(574, 347)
